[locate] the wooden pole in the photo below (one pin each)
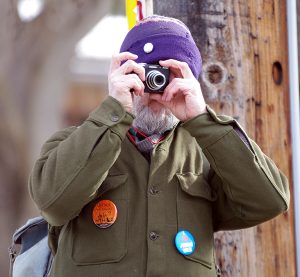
(245, 74)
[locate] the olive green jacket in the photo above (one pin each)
(202, 178)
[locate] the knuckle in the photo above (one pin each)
(137, 77)
(111, 79)
(116, 57)
(141, 67)
(184, 64)
(175, 82)
(133, 77)
(141, 83)
(130, 63)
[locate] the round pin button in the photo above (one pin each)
(185, 242)
(148, 47)
(104, 213)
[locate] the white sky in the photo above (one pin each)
(101, 42)
(30, 9)
(104, 39)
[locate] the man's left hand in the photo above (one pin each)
(183, 95)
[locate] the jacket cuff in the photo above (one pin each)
(208, 127)
(112, 114)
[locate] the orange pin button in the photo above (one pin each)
(105, 213)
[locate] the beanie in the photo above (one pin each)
(159, 40)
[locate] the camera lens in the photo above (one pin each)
(159, 80)
(155, 80)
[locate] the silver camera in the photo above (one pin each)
(157, 78)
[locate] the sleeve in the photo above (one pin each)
(249, 188)
(74, 162)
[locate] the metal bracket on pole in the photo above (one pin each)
(148, 7)
(295, 116)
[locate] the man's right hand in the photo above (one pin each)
(125, 79)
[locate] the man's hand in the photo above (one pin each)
(183, 95)
(125, 79)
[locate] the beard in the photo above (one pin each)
(152, 122)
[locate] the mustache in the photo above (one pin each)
(151, 122)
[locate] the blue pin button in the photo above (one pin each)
(185, 242)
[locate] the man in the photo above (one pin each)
(141, 186)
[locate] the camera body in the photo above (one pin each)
(157, 78)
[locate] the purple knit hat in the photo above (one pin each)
(159, 40)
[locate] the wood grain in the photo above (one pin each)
(245, 75)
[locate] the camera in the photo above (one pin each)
(157, 78)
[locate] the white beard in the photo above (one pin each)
(150, 122)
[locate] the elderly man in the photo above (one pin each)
(142, 185)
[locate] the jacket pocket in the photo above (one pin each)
(194, 214)
(94, 245)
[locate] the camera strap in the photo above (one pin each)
(144, 143)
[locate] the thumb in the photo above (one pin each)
(156, 96)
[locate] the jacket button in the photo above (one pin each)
(153, 236)
(114, 118)
(153, 190)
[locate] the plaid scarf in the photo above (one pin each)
(144, 143)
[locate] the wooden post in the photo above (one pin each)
(245, 75)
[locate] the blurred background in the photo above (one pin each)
(54, 60)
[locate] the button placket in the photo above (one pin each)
(156, 213)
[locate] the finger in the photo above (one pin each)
(174, 83)
(137, 79)
(178, 86)
(171, 93)
(132, 67)
(175, 65)
(167, 91)
(134, 84)
(176, 91)
(158, 97)
(133, 87)
(117, 59)
(125, 84)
